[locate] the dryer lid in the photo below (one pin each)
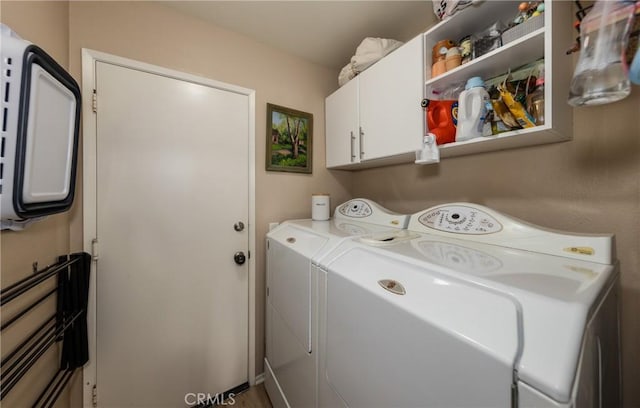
(305, 241)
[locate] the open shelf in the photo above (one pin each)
(531, 47)
(517, 138)
(524, 50)
(472, 19)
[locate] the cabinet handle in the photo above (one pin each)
(361, 143)
(351, 142)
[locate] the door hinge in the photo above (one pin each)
(267, 291)
(94, 101)
(95, 249)
(94, 395)
(248, 254)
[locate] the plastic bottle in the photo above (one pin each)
(442, 119)
(634, 69)
(535, 100)
(472, 110)
(600, 76)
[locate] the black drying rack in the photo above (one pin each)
(67, 325)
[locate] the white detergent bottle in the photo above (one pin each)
(472, 110)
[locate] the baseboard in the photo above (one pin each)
(260, 378)
(274, 391)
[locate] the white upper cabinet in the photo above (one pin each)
(381, 106)
(341, 110)
(376, 118)
(391, 118)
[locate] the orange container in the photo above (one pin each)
(442, 118)
(452, 61)
(438, 68)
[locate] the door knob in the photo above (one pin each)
(239, 257)
(238, 226)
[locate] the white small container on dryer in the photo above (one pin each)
(320, 207)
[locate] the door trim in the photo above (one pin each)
(89, 218)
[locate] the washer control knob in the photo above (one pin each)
(456, 218)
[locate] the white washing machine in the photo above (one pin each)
(293, 250)
(477, 309)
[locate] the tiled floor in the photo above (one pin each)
(254, 397)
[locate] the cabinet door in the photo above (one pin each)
(391, 117)
(341, 120)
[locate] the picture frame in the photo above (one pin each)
(289, 140)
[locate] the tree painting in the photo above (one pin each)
(289, 139)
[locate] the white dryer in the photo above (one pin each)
(294, 248)
(477, 309)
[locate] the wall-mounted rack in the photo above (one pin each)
(68, 325)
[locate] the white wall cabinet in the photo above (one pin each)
(342, 126)
(384, 100)
(376, 118)
(391, 117)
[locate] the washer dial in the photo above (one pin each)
(456, 218)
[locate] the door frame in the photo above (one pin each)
(89, 131)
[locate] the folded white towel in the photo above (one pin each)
(347, 73)
(368, 52)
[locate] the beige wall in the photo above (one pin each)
(590, 184)
(159, 35)
(45, 23)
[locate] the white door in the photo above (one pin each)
(390, 94)
(341, 114)
(172, 179)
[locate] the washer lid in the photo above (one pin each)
(556, 297)
(445, 333)
(445, 301)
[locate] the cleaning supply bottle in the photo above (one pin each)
(472, 110)
(535, 100)
(442, 117)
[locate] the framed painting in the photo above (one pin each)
(289, 140)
